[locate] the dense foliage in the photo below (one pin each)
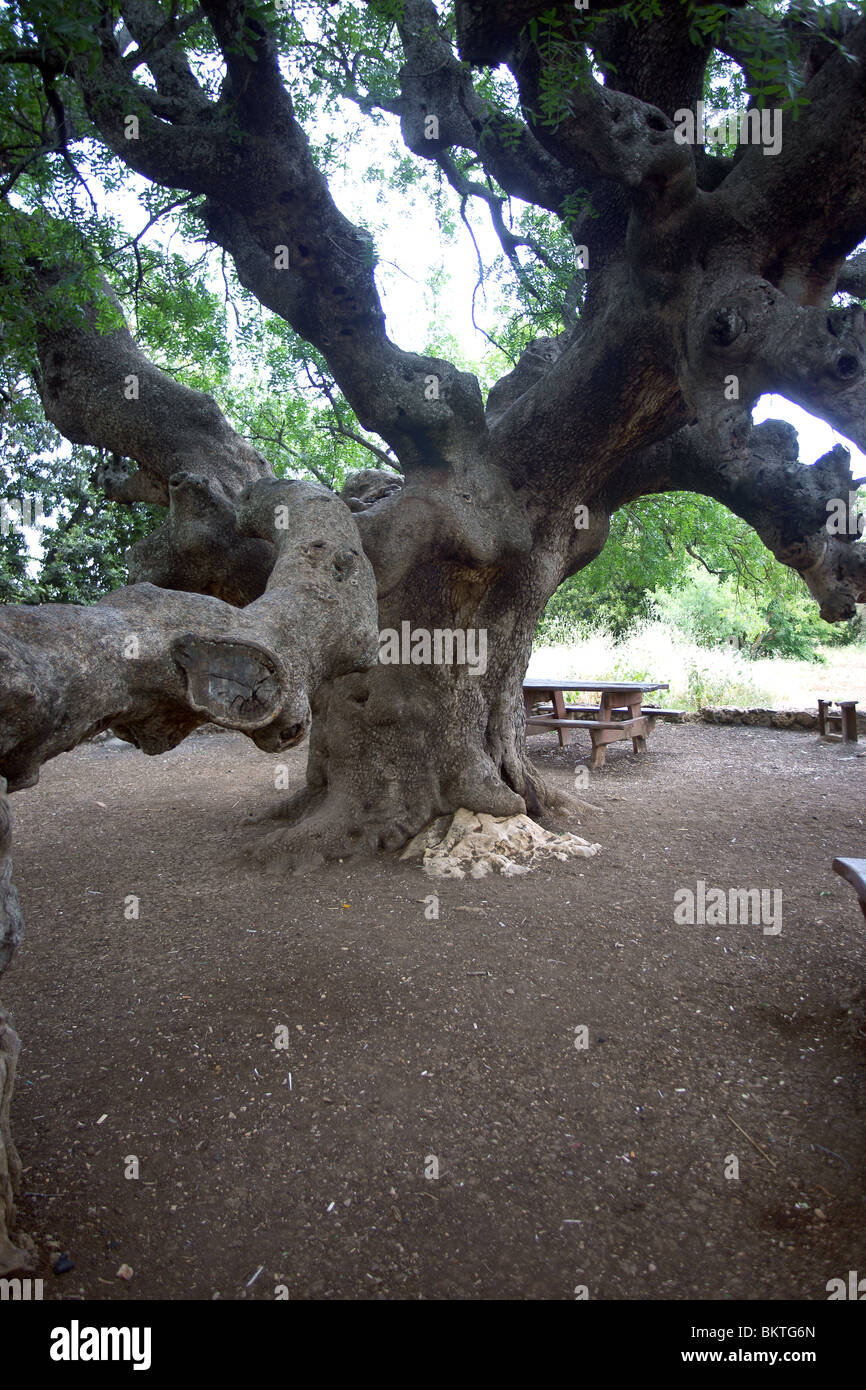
(692, 562)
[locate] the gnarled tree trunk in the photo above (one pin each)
(15, 1252)
(405, 741)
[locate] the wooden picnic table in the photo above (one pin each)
(618, 698)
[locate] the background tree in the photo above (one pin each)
(692, 562)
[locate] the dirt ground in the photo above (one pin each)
(268, 1171)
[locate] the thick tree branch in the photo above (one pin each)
(98, 387)
(199, 549)
(750, 338)
(488, 29)
(296, 251)
(792, 507)
(751, 37)
(852, 277)
(576, 403)
(158, 133)
(160, 48)
(654, 58)
(803, 242)
(434, 83)
(600, 132)
(154, 663)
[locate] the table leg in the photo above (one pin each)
(635, 709)
(596, 757)
(633, 700)
(822, 717)
(560, 712)
(849, 720)
(607, 704)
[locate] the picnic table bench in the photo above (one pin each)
(842, 725)
(619, 714)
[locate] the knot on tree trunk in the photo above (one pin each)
(368, 486)
(199, 548)
(753, 338)
(122, 484)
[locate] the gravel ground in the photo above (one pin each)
(413, 1044)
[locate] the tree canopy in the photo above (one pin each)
(339, 57)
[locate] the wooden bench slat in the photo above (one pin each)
(622, 709)
(605, 723)
(590, 724)
(616, 709)
(589, 709)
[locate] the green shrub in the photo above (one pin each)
(714, 612)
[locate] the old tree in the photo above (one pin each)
(700, 275)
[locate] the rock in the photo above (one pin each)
(477, 845)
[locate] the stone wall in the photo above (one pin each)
(769, 718)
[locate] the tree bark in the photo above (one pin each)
(15, 1253)
(407, 740)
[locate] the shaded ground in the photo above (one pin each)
(410, 1038)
